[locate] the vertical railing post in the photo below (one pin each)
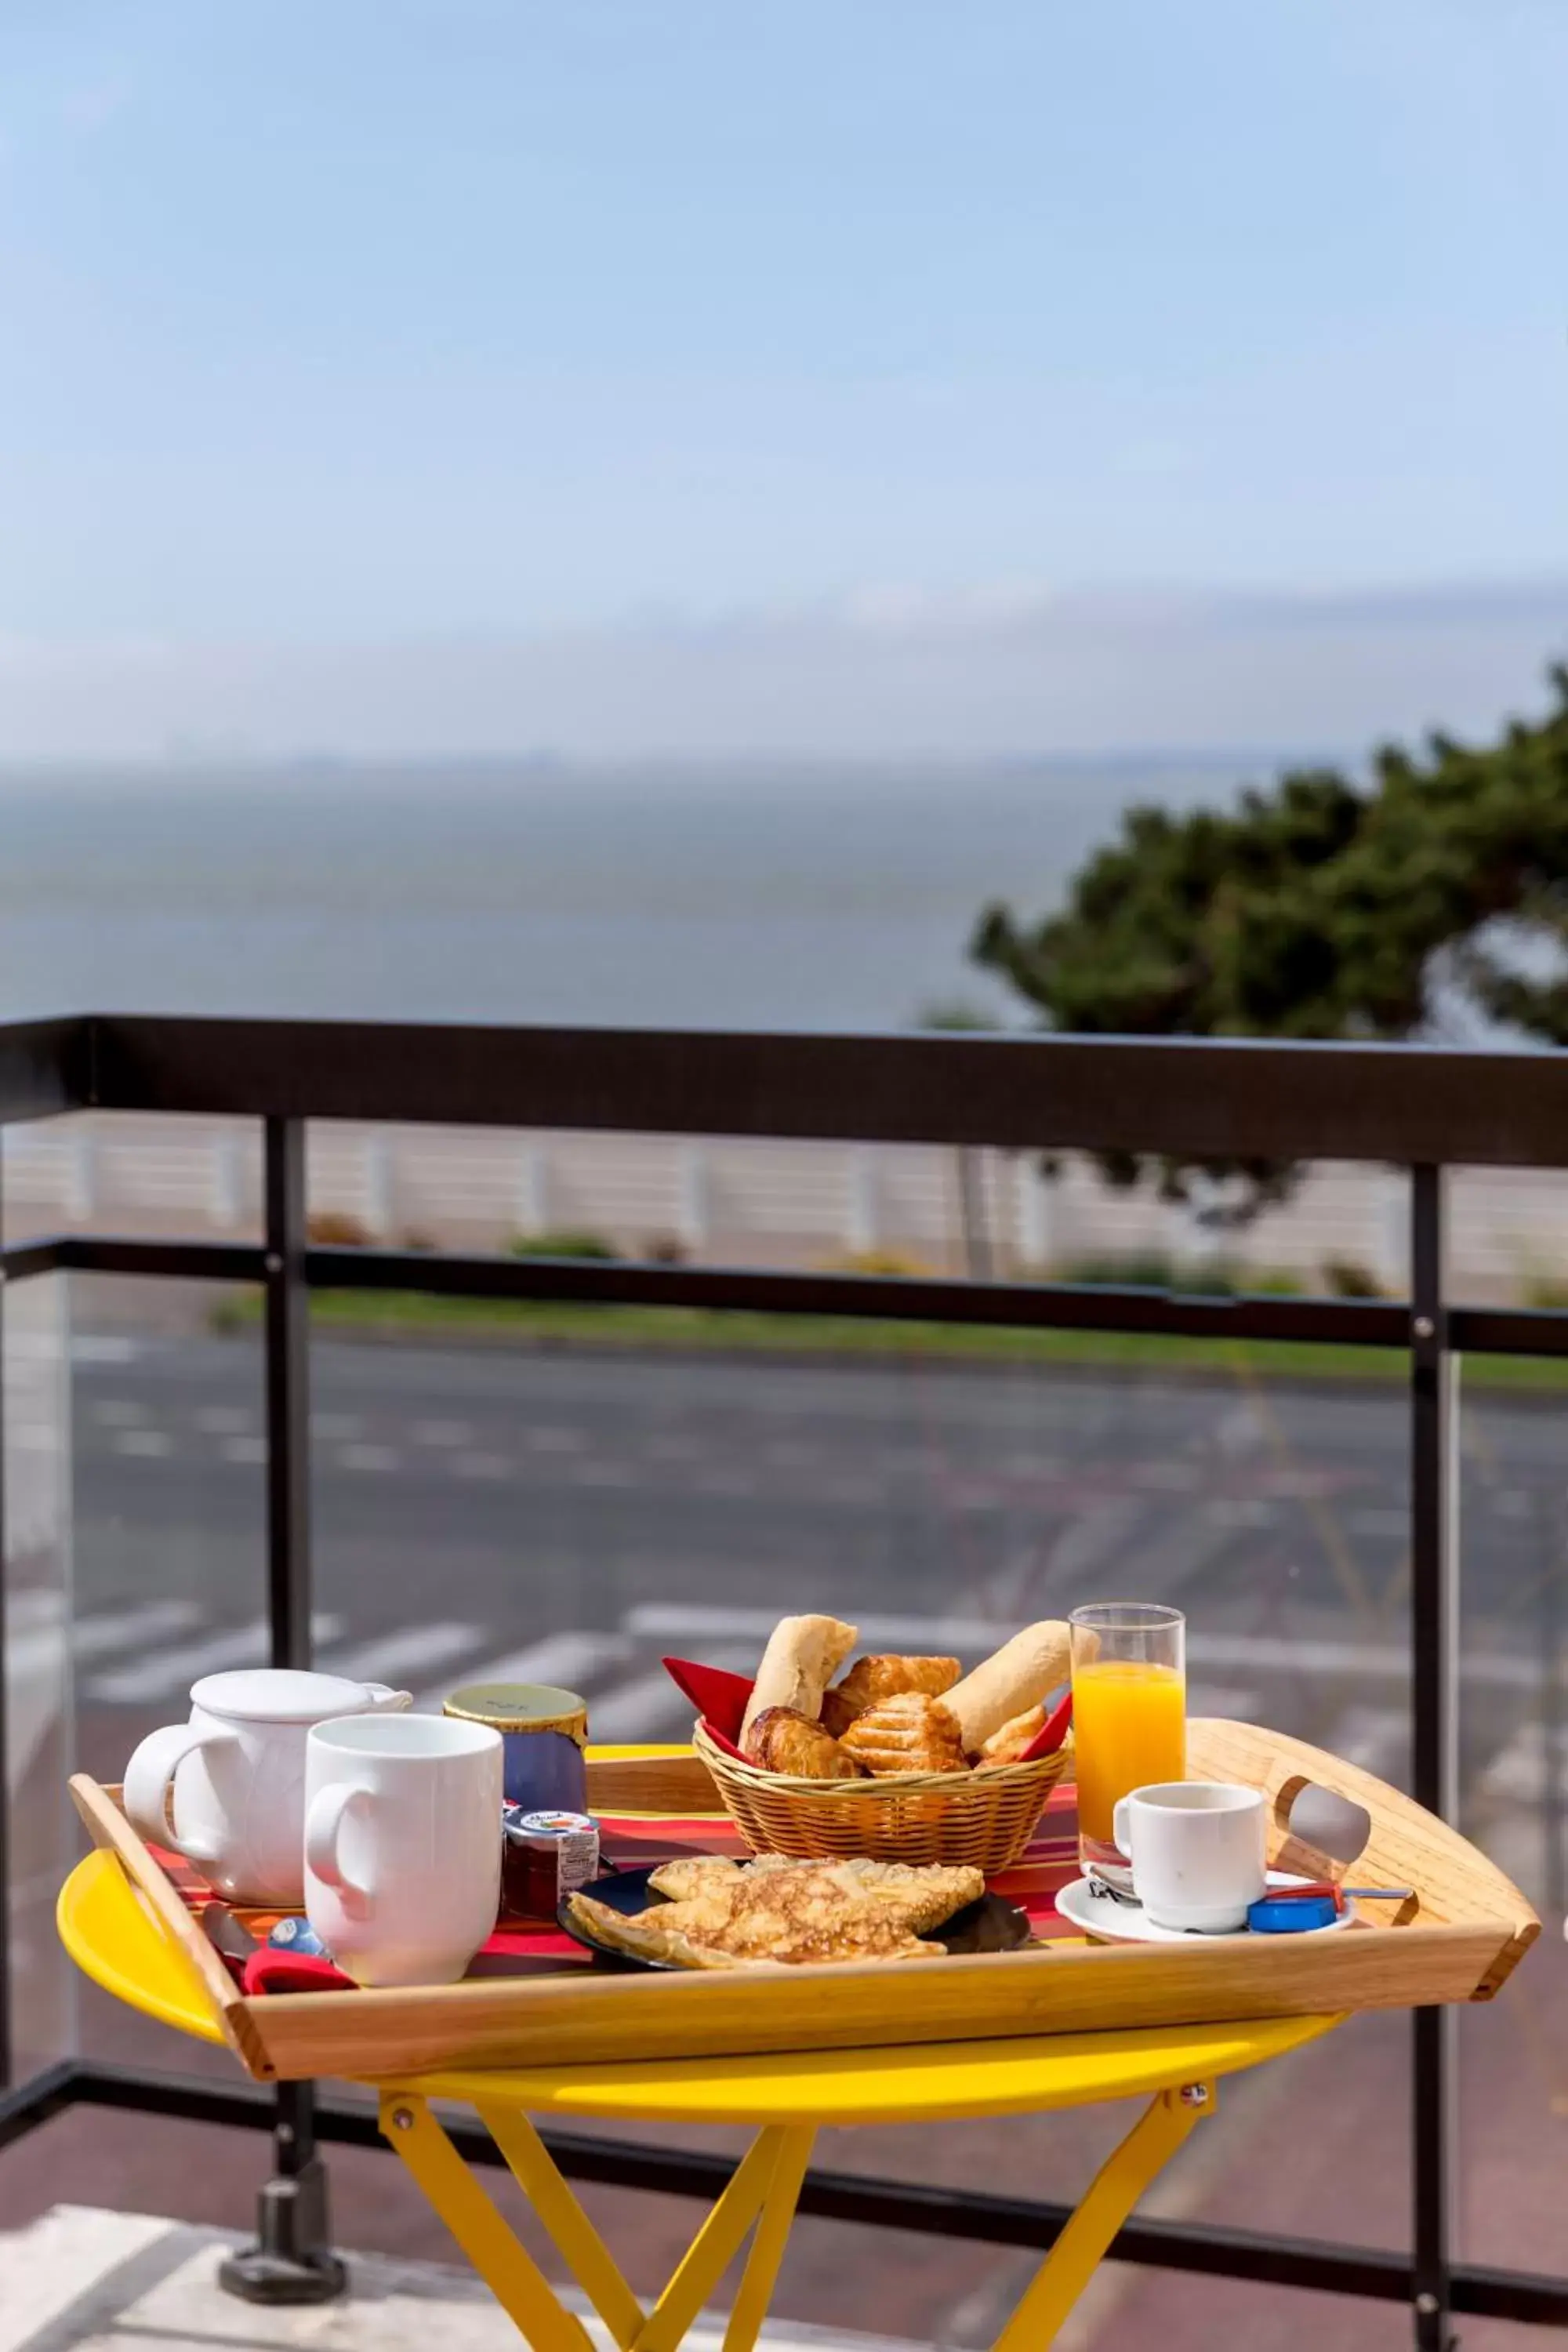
(287, 1374)
(1549, 1634)
(1435, 1588)
(292, 2260)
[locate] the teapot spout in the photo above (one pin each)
(385, 1700)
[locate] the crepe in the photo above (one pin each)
(797, 1913)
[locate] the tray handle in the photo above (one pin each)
(1455, 1885)
(110, 1832)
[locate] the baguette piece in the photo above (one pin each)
(1019, 1675)
(803, 1655)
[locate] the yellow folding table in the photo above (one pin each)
(784, 2099)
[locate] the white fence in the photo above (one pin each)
(771, 1202)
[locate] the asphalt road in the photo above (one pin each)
(484, 1508)
(489, 1511)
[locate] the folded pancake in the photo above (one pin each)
(689, 1873)
(798, 1913)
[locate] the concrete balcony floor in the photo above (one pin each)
(105, 2282)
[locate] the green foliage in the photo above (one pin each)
(901, 1266)
(1314, 909)
(1213, 1278)
(336, 1229)
(563, 1245)
(1346, 1278)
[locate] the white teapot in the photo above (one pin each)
(237, 1774)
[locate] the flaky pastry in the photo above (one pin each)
(782, 1739)
(1008, 1745)
(910, 1733)
(871, 1680)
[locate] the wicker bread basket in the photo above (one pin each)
(983, 1819)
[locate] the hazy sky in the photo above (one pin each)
(866, 375)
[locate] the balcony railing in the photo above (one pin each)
(1424, 1111)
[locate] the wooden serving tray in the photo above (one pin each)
(1459, 1940)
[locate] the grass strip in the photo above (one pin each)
(419, 1314)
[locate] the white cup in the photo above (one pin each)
(233, 1777)
(1198, 1853)
(402, 1842)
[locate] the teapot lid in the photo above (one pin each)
(278, 1695)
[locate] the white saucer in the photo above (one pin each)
(1108, 1921)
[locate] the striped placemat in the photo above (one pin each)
(637, 1841)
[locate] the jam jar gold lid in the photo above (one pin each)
(522, 1707)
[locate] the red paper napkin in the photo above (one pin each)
(514, 1950)
(719, 1698)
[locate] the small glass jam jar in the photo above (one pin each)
(543, 1734)
(545, 1856)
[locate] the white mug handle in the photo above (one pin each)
(323, 1826)
(385, 1700)
(1122, 1826)
(150, 1775)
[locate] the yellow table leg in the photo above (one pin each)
(790, 2154)
(513, 2277)
(715, 2246)
(584, 2250)
(764, 2189)
(1113, 2193)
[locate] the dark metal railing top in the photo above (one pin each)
(1189, 1097)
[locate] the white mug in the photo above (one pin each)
(1198, 1853)
(237, 1770)
(402, 1844)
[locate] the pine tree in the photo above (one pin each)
(1317, 909)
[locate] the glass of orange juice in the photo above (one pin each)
(1129, 1715)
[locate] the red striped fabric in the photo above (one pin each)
(639, 1843)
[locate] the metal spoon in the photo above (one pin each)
(1100, 1886)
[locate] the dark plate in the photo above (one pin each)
(988, 1926)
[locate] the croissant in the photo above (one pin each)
(871, 1680)
(911, 1732)
(1008, 1746)
(782, 1739)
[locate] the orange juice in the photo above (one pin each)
(1129, 1728)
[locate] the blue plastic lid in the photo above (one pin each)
(298, 1935)
(1275, 1916)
